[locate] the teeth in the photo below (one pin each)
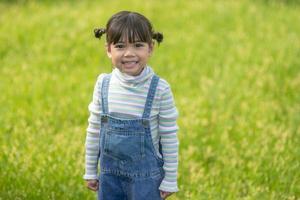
(129, 62)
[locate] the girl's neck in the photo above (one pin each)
(138, 79)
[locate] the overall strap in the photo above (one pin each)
(104, 93)
(150, 96)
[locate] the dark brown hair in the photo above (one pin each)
(128, 25)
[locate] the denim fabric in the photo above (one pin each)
(129, 166)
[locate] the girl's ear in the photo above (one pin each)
(151, 47)
(108, 50)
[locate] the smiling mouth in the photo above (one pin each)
(129, 62)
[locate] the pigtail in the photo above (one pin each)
(99, 32)
(158, 37)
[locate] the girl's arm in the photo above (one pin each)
(168, 133)
(93, 134)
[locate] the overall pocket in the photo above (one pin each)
(124, 145)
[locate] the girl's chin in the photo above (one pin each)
(130, 66)
(131, 70)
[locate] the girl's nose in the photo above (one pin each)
(129, 52)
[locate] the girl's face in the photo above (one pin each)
(129, 58)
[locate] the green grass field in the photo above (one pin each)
(234, 69)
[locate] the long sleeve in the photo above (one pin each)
(93, 134)
(168, 128)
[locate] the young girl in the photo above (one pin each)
(132, 124)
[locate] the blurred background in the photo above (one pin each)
(234, 69)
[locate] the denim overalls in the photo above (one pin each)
(129, 166)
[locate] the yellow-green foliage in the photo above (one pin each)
(234, 69)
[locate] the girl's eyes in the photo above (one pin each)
(121, 46)
(139, 45)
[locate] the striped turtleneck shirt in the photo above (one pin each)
(127, 96)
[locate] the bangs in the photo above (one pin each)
(129, 29)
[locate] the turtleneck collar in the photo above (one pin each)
(129, 80)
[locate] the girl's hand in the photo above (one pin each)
(164, 194)
(92, 184)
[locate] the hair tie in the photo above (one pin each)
(99, 32)
(158, 37)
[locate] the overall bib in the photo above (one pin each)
(130, 169)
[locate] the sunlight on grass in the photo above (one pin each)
(233, 67)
